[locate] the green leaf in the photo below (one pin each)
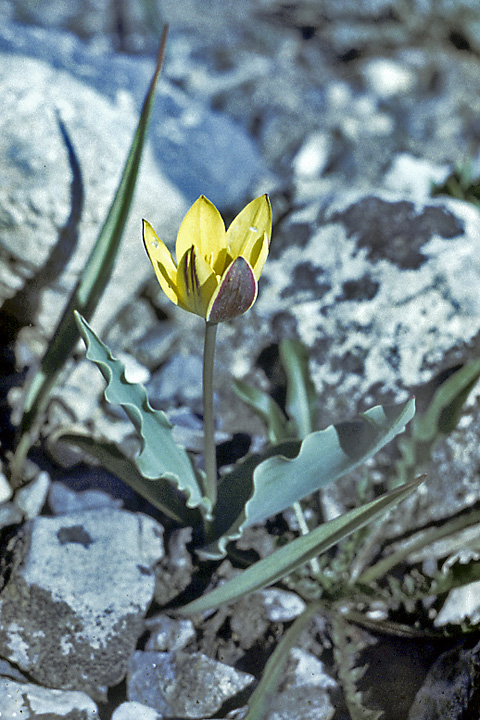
(292, 556)
(301, 397)
(266, 408)
(256, 491)
(160, 456)
(159, 492)
(261, 699)
(90, 285)
(437, 421)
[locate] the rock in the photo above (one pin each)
(135, 711)
(303, 694)
(200, 150)
(451, 687)
(31, 498)
(63, 501)
(282, 605)
(30, 702)
(72, 610)
(414, 176)
(6, 491)
(174, 573)
(183, 684)
(43, 211)
(178, 382)
(168, 634)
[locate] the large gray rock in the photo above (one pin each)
(198, 149)
(28, 701)
(72, 609)
(47, 231)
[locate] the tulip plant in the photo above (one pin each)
(215, 276)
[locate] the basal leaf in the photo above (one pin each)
(437, 421)
(159, 492)
(90, 286)
(292, 556)
(260, 701)
(266, 408)
(160, 456)
(301, 397)
(299, 469)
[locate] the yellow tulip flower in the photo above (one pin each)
(218, 270)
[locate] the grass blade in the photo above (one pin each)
(90, 285)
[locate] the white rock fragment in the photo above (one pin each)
(282, 605)
(386, 77)
(168, 634)
(135, 711)
(28, 701)
(31, 498)
(183, 684)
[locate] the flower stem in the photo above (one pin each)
(208, 418)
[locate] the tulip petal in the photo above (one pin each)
(250, 224)
(204, 228)
(235, 294)
(196, 282)
(256, 253)
(162, 261)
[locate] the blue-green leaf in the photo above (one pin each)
(266, 408)
(252, 493)
(89, 287)
(160, 456)
(301, 403)
(160, 492)
(292, 556)
(437, 421)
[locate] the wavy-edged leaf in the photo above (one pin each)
(266, 408)
(160, 456)
(301, 403)
(257, 490)
(91, 283)
(292, 556)
(158, 492)
(437, 421)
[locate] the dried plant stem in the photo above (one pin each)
(208, 417)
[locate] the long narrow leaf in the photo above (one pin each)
(301, 396)
(297, 553)
(91, 283)
(261, 699)
(266, 408)
(437, 421)
(160, 456)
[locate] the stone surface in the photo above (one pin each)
(62, 500)
(85, 581)
(31, 702)
(168, 634)
(303, 694)
(281, 605)
(183, 684)
(31, 498)
(135, 711)
(198, 149)
(451, 687)
(42, 207)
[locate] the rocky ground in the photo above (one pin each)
(346, 113)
